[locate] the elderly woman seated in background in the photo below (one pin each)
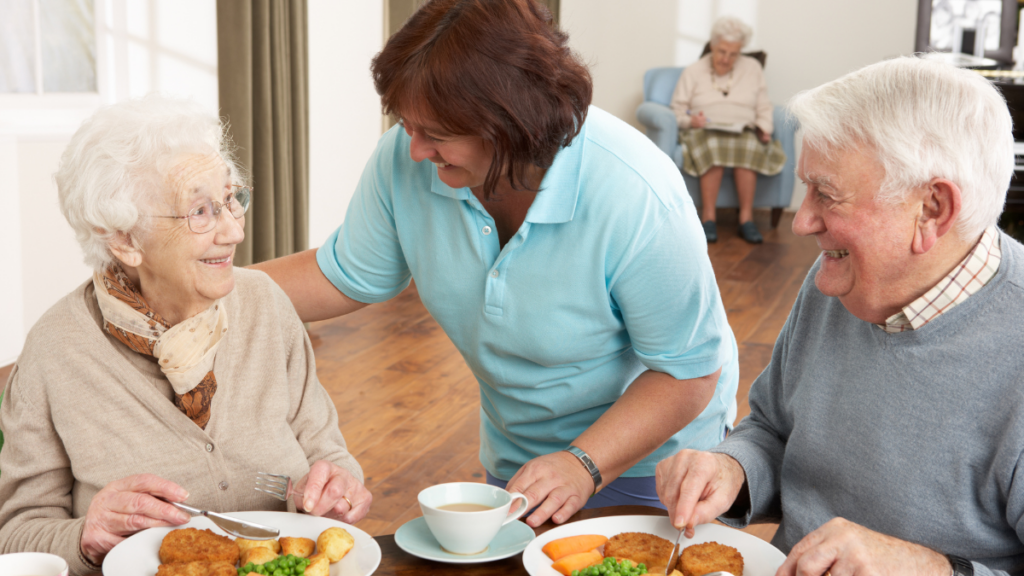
(725, 119)
(169, 374)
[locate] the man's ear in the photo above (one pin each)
(940, 208)
(125, 248)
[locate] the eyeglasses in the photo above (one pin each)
(203, 218)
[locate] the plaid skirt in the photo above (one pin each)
(703, 149)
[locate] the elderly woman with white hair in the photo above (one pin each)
(725, 120)
(169, 374)
(886, 436)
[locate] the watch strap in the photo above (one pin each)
(961, 566)
(588, 463)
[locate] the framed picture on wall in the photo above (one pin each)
(946, 25)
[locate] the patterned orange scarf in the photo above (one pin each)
(192, 343)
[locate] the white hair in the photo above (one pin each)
(730, 29)
(923, 120)
(117, 159)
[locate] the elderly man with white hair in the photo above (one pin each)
(168, 375)
(886, 435)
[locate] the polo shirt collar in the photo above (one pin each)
(559, 190)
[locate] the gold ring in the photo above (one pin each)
(350, 506)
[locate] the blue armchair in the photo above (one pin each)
(773, 192)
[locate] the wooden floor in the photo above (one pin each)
(409, 406)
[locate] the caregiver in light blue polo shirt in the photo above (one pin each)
(555, 245)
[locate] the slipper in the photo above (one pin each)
(748, 231)
(710, 231)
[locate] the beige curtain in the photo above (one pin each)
(263, 79)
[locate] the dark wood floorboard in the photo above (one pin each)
(410, 408)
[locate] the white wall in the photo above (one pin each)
(344, 110)
(808, 41)
(12, 326)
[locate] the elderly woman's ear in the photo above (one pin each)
(125, 248)
(940, 209)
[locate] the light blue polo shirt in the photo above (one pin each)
(607, 277)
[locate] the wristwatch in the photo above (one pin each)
(961, 566)
(595, 474)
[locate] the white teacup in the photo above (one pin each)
(468, 532)
(32, 564)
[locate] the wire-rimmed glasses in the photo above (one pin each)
(203, 218)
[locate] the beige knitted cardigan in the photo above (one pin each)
(747, 101)
(82, 410)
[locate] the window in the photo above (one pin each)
(47, 46)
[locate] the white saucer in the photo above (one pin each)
(415, 538)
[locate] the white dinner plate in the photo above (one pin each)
(759, 557)
(139, 553)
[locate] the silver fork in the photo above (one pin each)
(277, 485)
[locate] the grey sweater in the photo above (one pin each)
(917, 435)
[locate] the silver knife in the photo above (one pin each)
(235, 526)
(676, 552)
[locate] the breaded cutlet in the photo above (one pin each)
(192, 545)
(641, 548)
(197, 569)
(701, 559)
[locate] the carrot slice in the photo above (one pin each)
(573, 545)
(567, 564)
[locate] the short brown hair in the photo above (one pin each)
(497, 69)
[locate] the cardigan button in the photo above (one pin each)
(223, 485)
(209, 447)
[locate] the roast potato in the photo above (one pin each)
(335, 543)
(257, 555)
(301, 547)
(244, 544)
(320, 565)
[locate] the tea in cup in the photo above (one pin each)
(32, 564)
(465, 516)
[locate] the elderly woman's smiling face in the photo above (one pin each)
(179, 272)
